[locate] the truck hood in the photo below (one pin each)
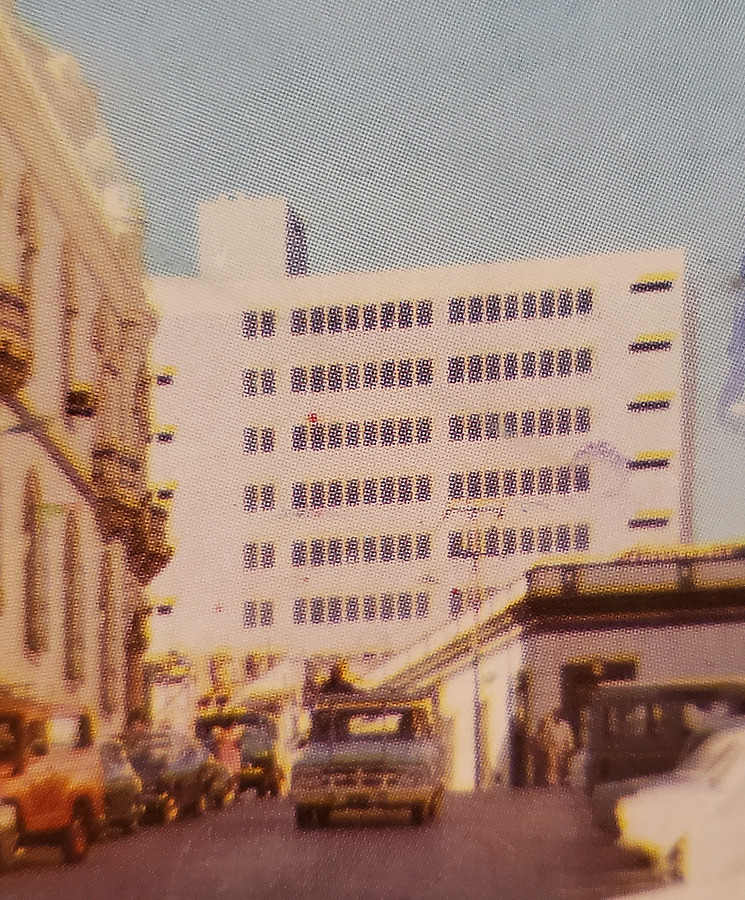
(369, 753)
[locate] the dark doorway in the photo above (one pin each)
(580, 678)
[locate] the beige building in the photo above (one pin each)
(360, 455)
(80, 536)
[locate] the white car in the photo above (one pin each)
(691, 824)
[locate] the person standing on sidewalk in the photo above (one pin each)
(556, 742)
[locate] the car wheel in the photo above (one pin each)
(417, 814)
(76, 837)
(199, 807)
(304, 816)
(433, 810)
(168, 811)
(322, 816)
(225, 799)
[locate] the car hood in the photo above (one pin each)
(369, 753)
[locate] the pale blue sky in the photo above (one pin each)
(412, 133)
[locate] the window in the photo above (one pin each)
(335, 319)
(353, 609)
(388, 373)
(298, 380)
(250, 556)
(423, 546)
(299, 495)
(353, 492)
(563, 480)
(492, 367)
(387, 548)
(317, 436)
(387, 315)
(456, 604)
(562, 538)
(510, 424)
(565, 303)
(473, 483)
(547, 304)
(369, 318)
(387, 490)
(510, 366)
(317, 320)
(405, 373)
(317, 379)
(298, 321)
(371, 434)
(353, 377)
(299, 611)
(335, 552)
(422, 605)
(424, 371)
(336, 493)
(336, 435)
(404, 606)
(493, 308)
(317, 553)
(299, 437)
(334, 609)
(369, 549)
(475, 368)
(456, 427)
(266, 613)
(250, 382)
(404, 547)
(457, 310)
(509, 482)
(455, 544)
(510, 306)
(491, 426)
(268, 384)
(267, 556)
(267, 440)
(405, 490)
(509, 542)
(423, 488)
(455, 486)
(545, 540)
(546, 369)
(268, 323)
(352, 550)
(456, 369)
(545, 481)
(370, 491)
(250, 440)
(491, 483)
(353, 434)
(370, 375)
(582, 537)
(369, 608)
(299, 553)
(317, 494)
(352, 318)
(423, 431)
(526, 540)
(528, 306)
(564, 362)
(584, 301)
(474, 428)
(584, 360)
(74, 659)
(250, 324)
(424, 313)
(250, 497)
(249, 614)
(528, 423)
(546, 422)
(581, 478)
(405, 314)
(335, 378)
(475, 309)
(405, 431)
(563, 421)
(527, 481)
(491, 542)
(528, 365)
(317, 610)
(582, 419)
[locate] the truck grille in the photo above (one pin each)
(356, 777)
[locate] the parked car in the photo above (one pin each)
(122, 788)
(691, 824)
(178, 774)
(51, 778)
(368, 753)
(261, 766)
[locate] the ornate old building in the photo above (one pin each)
(80, 534)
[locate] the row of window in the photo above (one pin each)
(262, 323)
(258, 438)
(369, 549)
(387, 374)
(544, 422)
(544, 363)
(258, 555)
(368, 317)
(319, 436)
(318, 610)
(495, 308)
(258, 614)
(401, 489)
(507, 541)
(475, 485)
(257, 381)
(258, 495)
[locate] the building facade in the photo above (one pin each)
(80, 536)
(362, 456)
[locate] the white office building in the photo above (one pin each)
(356, 458)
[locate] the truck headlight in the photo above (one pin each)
(7, 817)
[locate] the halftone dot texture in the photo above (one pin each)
(414, 134)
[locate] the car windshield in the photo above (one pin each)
(360, 724)
(8, 738)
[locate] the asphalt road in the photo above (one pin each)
(498, 845)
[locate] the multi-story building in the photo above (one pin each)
(79, 534)
(360, 455)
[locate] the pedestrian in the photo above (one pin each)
(556, 742)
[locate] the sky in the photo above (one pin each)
(413, 133)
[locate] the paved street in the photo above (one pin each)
(511, 846)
